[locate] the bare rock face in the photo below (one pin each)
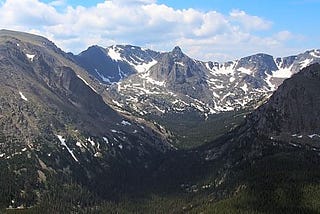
(181, 74)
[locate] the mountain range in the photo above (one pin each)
(153, 82)
(90, 133)
(185, 95)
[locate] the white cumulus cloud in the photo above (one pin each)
(207, 35)
(249, 22)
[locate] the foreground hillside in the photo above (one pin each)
(56, 130)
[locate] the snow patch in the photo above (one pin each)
(120, 73)
(315, 54)
(97, 155)
(244, 88)
(300, 136)
(268, 81)
(162, 111)
(179, 63)
(198, 107)
(215, 94)
(142, 68)
(22, 96)
(155, 82)
(106, 140)
(245, 70)
(30, 57)
(207, 66)
(305, 63)
(63, 143)
(78, 144)
(282, 73)
(116, 56)
(91, 141)
(104, 79)
(294, 145)
(2, 155)
(85, 82)
(313, 135)
(224, 69)
(117, 103)
(125, 123)
(227, 95)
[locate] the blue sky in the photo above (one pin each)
(205, 29)
(299, 16)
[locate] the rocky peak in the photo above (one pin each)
(260, 64)
(92, 49)
(177, 52)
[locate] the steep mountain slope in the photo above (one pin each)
(292, 112)
(54, 125)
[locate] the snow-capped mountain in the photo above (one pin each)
(173, 89)
(115, 63)
(174, 82)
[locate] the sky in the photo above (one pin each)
(208, 30)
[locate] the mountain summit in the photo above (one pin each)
(177, 52)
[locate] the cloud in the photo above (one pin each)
(249, 22)
(203, 35)
(283, 35)
(121, 2)
(28, 13)
(58, 3)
